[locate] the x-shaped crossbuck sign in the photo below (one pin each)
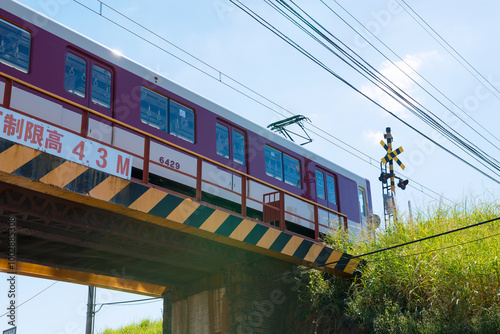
(392, 155)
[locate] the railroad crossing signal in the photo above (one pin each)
(392, 155)
(389, 158)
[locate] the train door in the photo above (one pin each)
(326, 195)
(231, 145)
(221, 186)
(90, 83)
(326, 189)
(363, 205)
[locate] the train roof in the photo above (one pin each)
(134, 67)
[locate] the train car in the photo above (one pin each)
(180, 141)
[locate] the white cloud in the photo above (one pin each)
(373, 137)
(409, 65)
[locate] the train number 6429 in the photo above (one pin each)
(170, 163)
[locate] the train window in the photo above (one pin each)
(181, 121)
(167, 115)
(274, 167)
(320, 184)
(230, 147)
(330, 187)
(75, 75)
(222, 134)
(101, 86)
(239, 147)
(279, 165)
(15, 46)
(362, 201)
(291, 168)
(154, 109)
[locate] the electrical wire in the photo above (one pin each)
(406, 243)
(126, 302)
(35, 295)
(451, 47)
(387, 86)
(344, 144)
(285, 38)
(442, 248)
(415, 71)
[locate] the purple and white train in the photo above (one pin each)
(180, 141)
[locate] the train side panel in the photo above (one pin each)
(51, 59)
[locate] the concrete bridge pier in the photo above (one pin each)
(245, 298)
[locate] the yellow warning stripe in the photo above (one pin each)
(214, 221)
(148, 200)
(15, 157)
(63, 174)
(183, 211)
(268, 238)
(108, 188)
(292, 245)
(153, 205)
(243, 229)
(313, 253)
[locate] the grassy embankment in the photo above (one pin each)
(449, 284)
(145, 326)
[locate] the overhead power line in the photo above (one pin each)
(463, 145)
(415, 71)
(411, 242)
(32, 297)
(369, 72)
(344, 145)
(470, 69)
(446, 247)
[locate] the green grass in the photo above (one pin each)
(145, 326)
(449, 284)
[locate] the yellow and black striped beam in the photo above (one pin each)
(49, 174)
(78, 277)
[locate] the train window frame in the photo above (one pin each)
(222, 143)
(328, 192)
(95, 83)
(230, 143)
(82, 75)
(104, 105)
(363, 204)
(182, 111)
(242, 156)
(329, 187)
(183, 126)
(294, 179)
(279, 171)
(159, 98)
(320, 186)
(26, 33)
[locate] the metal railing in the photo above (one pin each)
(273, 212)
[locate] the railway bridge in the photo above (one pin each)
(218, 271)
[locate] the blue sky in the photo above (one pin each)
(227, 39)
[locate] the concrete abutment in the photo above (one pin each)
(246, 298)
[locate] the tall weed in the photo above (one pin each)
(448, 284)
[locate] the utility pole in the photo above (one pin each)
(409, 211)
(89, 328)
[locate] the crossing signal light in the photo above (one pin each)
(402, 184)
(384, 176)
